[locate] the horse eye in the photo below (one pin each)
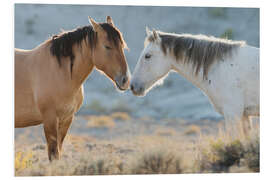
(107, 47)
(147, 56)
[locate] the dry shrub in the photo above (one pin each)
(99, 167)
(252, 154)
(100, 121)
(55, 168)
(157, 162)
(121, 116)
(121, 106)
(97, 106)
(165, 132)
(222, 156)
(239, 155)
(193, 130)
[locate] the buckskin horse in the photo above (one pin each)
(49, 78)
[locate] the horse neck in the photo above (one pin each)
(83, 64)
(187, 71)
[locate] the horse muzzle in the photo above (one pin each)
(122, 82)
(137, 89)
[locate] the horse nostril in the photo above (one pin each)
(131, 87)
(141, 89)
(124, 80)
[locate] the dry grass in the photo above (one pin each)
(106, 121)
(120, 116)
(23, 160)
(96, 106)
(121, 106)
(99, 167)
(165, 132)
(143, 154)
(193, 130)
(100, 121)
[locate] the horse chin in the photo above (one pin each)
(148, 87)
(141, 94)
(121, 89)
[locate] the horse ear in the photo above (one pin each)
(95, 25)
(147, 30)
(155, 34)
(109, 20)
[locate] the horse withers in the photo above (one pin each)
(226, 71)
(49, 78)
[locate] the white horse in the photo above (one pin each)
(226, 71)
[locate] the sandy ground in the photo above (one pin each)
(175, 109)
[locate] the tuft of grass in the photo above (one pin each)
(158, 162)
(193, 130)
(121, 106)
(102, 121)
(23, 160)
(227, 34)
(120, 116)
(39, 147)
(97, 106)
(165, 132)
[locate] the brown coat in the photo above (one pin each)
(49, 88)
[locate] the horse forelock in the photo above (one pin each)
(199, 50)
(114, 34)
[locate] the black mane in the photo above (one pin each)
(61, 44)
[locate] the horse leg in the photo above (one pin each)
(247, 126)
(231, 125)
(63, 129)
(233, 118)
(51, 123)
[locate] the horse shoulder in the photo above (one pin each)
(79, 98)
(70, 103)
(221, 86)
(234, 85)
